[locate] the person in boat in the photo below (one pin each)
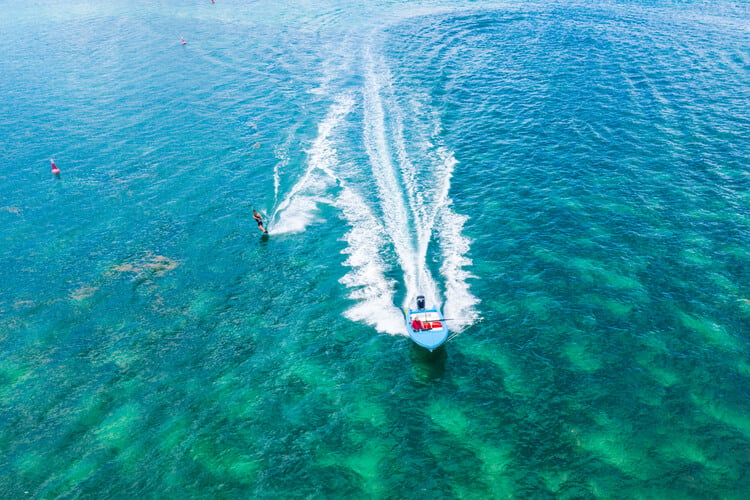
(259, 219)
(416, 324)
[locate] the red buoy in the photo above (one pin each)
(55, 170)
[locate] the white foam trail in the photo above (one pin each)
(460, 304)
(417, 189)
(397, 217)
(299, 207)
(370, 287)
(281, 153)
(411, 205)
(415, 198)
(299, 213)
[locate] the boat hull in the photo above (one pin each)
(433, 332)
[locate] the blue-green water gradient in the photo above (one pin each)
(568, 181)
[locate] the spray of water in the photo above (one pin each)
(299, 207)
(408, 213)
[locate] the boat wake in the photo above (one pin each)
(299, 207)
(397, 208)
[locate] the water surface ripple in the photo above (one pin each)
(568, 180)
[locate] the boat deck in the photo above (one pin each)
(435, 332)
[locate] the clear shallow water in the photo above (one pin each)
(570, 181)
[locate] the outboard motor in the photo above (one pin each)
(420, 302)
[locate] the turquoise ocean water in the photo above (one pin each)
(568, 180)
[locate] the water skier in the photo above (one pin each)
(259, 219)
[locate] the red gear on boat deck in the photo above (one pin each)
(416, 324)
